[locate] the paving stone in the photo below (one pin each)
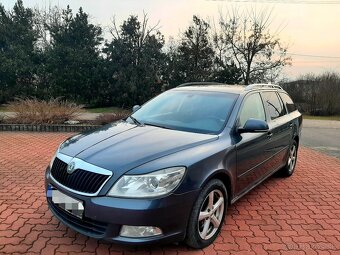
(296, 215)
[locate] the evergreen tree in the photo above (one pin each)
(195, 53)
(199, 58)
(73, 60)
(134, 60)
(18, 55)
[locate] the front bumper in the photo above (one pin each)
(104, 216)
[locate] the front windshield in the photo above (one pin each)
(194, 111)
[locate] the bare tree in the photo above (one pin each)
(257, 52)
(43, 20)
(316, 94)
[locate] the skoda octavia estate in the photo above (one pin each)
(169, 171)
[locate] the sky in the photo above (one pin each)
(311, 28)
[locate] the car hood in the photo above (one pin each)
(122, 146)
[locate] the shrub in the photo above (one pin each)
(35, 111)
(106, 118)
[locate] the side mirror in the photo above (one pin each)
(254, 126)
(135, 108)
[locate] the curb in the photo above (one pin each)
(46, 128)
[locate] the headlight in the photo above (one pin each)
(149, 185)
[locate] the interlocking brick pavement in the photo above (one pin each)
(297, 215)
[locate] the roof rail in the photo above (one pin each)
(203, 83)
(263, 86)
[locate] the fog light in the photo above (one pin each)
(139, 231)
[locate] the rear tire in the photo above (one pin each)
(289, 168)
(207, 215)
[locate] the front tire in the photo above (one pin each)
(208, 215)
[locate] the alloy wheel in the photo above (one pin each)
(211, 214)
(292, 158)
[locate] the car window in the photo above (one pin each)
(193, 111)
(284, 111)
(252, 108)
(273, 105)
(288, 102)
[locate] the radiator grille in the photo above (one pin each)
(80, 180)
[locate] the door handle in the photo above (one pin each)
(269, 135)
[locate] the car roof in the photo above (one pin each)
(220, 87)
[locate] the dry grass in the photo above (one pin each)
(106, 118)
(334, 117)
(34, 111)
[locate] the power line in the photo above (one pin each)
(312, 56)
(318, 2)
(316, 61)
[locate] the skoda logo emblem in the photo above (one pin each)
(71, 168)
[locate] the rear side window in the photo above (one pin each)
(252, 108)
(288, 102)
(273, 105)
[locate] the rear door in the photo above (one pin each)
(280, 131)
(294, 118)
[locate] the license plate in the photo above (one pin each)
(65, 202)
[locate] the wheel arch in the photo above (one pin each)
(223, 176)
(297, 139)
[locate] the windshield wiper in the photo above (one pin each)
(135, 121)
(156, 125)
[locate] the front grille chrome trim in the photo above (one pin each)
(81, 164)
(84, 166)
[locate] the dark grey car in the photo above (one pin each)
(169, 171)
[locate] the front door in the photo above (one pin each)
(251, 148)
